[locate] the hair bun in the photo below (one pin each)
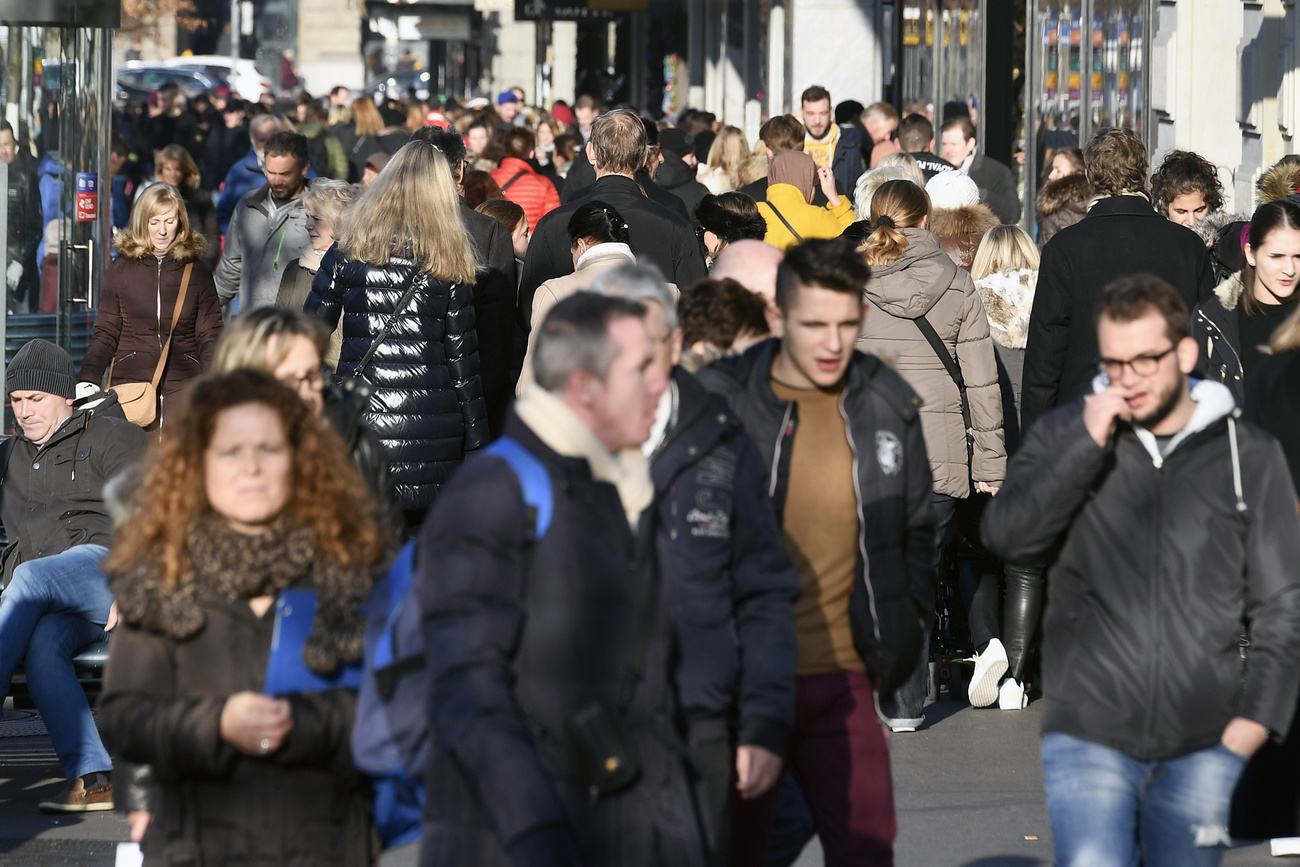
(885, 220)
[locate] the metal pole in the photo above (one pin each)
(234, 32)
(1033, 43)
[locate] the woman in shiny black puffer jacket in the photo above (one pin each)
(427, 399)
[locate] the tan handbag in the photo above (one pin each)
(139, 400)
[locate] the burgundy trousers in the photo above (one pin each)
(838, 755)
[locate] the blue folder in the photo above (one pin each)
(286, 673)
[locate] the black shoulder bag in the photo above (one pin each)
(785, 222)
(954, 371)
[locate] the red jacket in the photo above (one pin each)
(532, 192)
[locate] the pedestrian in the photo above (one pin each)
(916, 137)
(656, 234)
(598, 241)
(360, 136)
(497, 298)
(880, 120)
(840, 434)
(324, 150)
(1122, 235)
(176, 167)
(1063, 200)
(733, 584)
(957, 216)
(725, 154)
(400, 278)
(831, 146)
(871, 181)
(997, 186)
(246, 174)
(514, 220)
(791, 217)
(587, 647)
(1169, 649)
(925, 317)
(267, 230)
(56, 598)
(324, 204)
(225, 144)
(719, 318)
(1234, 326)
(1186, 188)
(519, 181)
(248, 497)
(752, 264)
(781, 133)
(727, 218)
(25, 226)
(159, 317)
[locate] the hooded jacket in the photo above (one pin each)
(960, 230)
(1062, 202)
(1222, 233)
(135, 316)
(808, 220)
(521, 184)
(997, 186)
(259, 247)
(925, 282)
(54, 493)
(677, 178)
(1278, 182)
(733, 584)
(893, 590)
(427, 400)
(1161, 560)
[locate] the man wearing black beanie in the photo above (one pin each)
(56, 599)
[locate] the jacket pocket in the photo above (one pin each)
(70, 473)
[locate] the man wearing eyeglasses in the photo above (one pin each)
(1171, 638)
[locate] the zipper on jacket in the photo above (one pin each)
(1153, 609)
(158, 305)
(781, 436)
(1209, 346)
(862, 545)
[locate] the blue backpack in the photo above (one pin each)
(390, 736)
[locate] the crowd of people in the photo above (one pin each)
(685, 440)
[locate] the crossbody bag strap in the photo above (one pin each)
(954, 370)
(508, 183)
(786, 222)
(391, 323)
(176, 317)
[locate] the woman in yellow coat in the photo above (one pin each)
(790, 216)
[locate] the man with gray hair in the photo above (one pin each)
(618, 150)
(734, 587)
(548, 624)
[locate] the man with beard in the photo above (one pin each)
(1171, 637)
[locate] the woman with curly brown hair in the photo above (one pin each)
(249, 495)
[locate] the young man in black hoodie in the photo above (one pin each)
(850, 482)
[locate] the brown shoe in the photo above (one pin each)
(77, 799)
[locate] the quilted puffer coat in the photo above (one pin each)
(427, 400)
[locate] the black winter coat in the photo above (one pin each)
(302, 806)
(1121, 236)
(54, 493)
(658, 236)
(427, 402)
(997, 187)
(496, 300)
(893, 593)
(1156, 574)
(546, 627)
(654, 191)
(734, 587)
(1271, 403)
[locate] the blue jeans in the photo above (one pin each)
(1109, 809)
(53, 607)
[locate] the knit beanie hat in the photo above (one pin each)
(42, 366)
(952, 190)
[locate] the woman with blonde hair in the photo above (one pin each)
(249, 499)
(923, 314)
(726, 154)
(360, 138)
(175, 166)
(159, 316)
(401, 281)
(324, 203)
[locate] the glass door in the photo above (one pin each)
(55, 122)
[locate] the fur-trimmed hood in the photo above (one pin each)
(1229, 291)
(187, 249)
(1278, 182)
(967, 220)
(1056, 194)
(1210, 228)
(1008, 298)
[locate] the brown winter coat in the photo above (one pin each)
(135, 316)
(302, 806)
(925, 282)
(960, 231)
(1062, 202)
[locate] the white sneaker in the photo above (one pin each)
(1280, 846)
(1011, 695)
(898, 726)
(989, 668)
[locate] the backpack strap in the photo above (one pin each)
(534, 482)
(786, 222)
